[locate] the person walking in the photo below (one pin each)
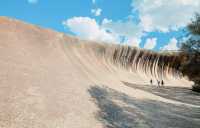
(162, 83)
(151, 82)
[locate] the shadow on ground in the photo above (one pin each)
(184, 95)
(117, 110)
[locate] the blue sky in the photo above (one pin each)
(150, 24)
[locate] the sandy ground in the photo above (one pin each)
(48, 80)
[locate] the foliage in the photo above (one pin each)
(191, 46)
(191, 49)
(194, 26)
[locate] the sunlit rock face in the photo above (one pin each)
(152, 64)
(45, 76)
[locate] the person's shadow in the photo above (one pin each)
(118, 110)
(181, 94)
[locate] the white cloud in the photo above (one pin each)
(128, 29)
(108, 31)
(32, 1)
(93, 1)
(172, 45)
(96, 12)
(150, 43)
(156, 15)
(165, 15)
(106, 21)
(135, 42)
(125, 28)
(88, 28)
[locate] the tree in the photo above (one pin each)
(194, 26)
(190, 65)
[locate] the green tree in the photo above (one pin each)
(191, 49)
(194, 26)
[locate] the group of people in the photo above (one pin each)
(160, 83)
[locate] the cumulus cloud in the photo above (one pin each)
(93, 1)
(32, 1)
(106, 21)
(165, 15)
(153, 15)
(150, 43)
(130, 30)
(125, 28)
(96, 12)
(88, 28)
(107, 31)
(172, 45)
(133, 41)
